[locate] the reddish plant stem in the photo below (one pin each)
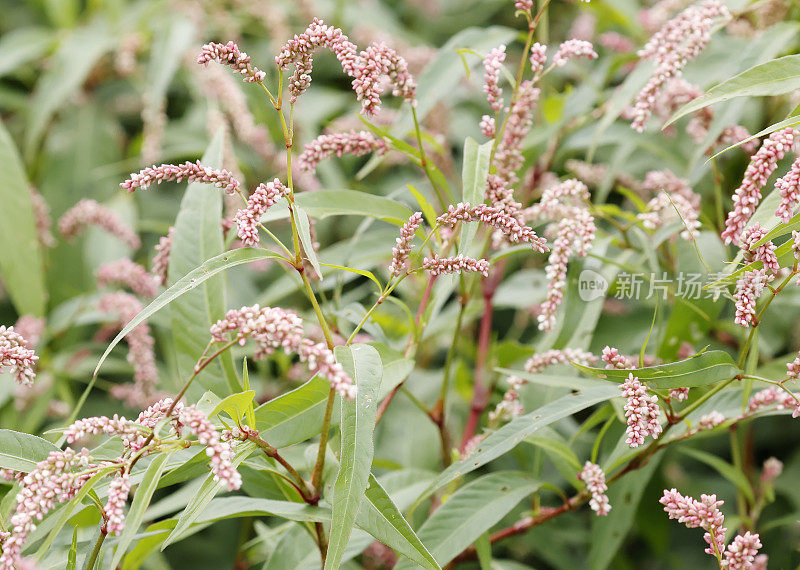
(480, 392)
(412, 343)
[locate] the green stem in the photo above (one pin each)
(318, 310)
(702, 399)
(316, 475)
(424, 159)
(96, 550)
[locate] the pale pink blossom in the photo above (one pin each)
(113, 512)
(774, 396)
(141, 354)
(615, 360)
(91, 213)
(247, 219)
(741, 553)
(789, 188)
(572, 49)
(523, 5)
(747, 196)
(764, 252)
(437, 265)
(16, 357)
(161, 259)
(219, 452)
(678, 42)
(508, 158)
(641, 411)
(538, 58)
(760, 562)
(374, 64)
(30, 328)
(495, 217)
(488, 127)
(679, 394)
(796, 244)
(499, 193)
(508, 408)
(402, 248)
(552, 357)
(190, 171)
(616, 42)
(710, 420)
(595, 481)
(41, 214)
(272, 328)
(793, 369)
(357, 143)
(703, 514)
(128, 273)
(229, 54)
(493, 64)
(773, 467)
(748, 289)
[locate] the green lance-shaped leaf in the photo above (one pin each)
(344, 203)
(698, 370)
(235, 507)
(235, 405)
(198, 236)
(294, 416)
(730, 472)
(304, 230)
(471, 511)
(22, 451)
(774, 77)
(380, 517)
(363, 363)
(21, 45)
(516, 431)
(21, 266)
(188, 282)
(473, 178)
(141, 500)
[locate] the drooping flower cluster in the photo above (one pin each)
(16, 356)
(140, 350)
(764, 253)
(229, 54)
(573, 49)
(641, 411)
(263, 197)
(402, 249)
(219, 452)
(367, 68)
(92, 213)
(748, 289)
(774, 396)
(190, 171)
(272, 328)
(678, 42)
(705, 514)
(128, 273)
(789, 188)
(161, 259)
(357, 143)
(747, 196)
(573, 232)
(496, 217)
(437, 265)
(595, 481)
(500, 194)
(113, 512)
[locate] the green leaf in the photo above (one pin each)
(22, 45)
(72, 555)
(510, 435)
(380, 517)
(424, 205)
(362, 272)
(483, 547)
(363, 364)
(304, 230)
(235, 405)
(774, 77)
(198, 237)
(204, 496)
(75, 57)
(21, 451)
(188, 282)
(141, 500)
(21, 266)
(234, 507)
(724, 468)
(609, 532)
(473, 178)
(555, 380)
(698, 370)
(325, 203)
(792, 121)
(471, 511)
(294, 416)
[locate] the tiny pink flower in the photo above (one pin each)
(493, 63)
(789, 188)
(748, 289)
(764, 252)
(113, 512)
(679, 394)
(190, 171)
(16, 357)
(229, 54)
(641, 411)
(91, 213)
(128, 273)
(437, 265)
(595, 481)
(572, 49)
(496, 217)
(615, 360)
(357, 143)
(161, 259)
(263, 197)
(741, 553)
(402, 249)
(711, 420)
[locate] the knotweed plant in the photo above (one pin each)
(408, 306)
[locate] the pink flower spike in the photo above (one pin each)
(748, 290)
(16, 356)
(220, 452)
(615, 360)
(229, 54)
(523, 5)
(495, 217)
(377, 62)
(711, 420)
(92, 213)
(113, 512)
(747, 196)
(538, 58)
(571, 49)
(262, 198)
(128, 273)
(741, 553)
(764, 252)
(789, 188)
(641, 412)
(437, 265)
(190, 171)
(493, 63)
(508, 158)
(679, 394)
(703, 514)
(595, 481)
(357, 143)
(402, 249)
(161, 259)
